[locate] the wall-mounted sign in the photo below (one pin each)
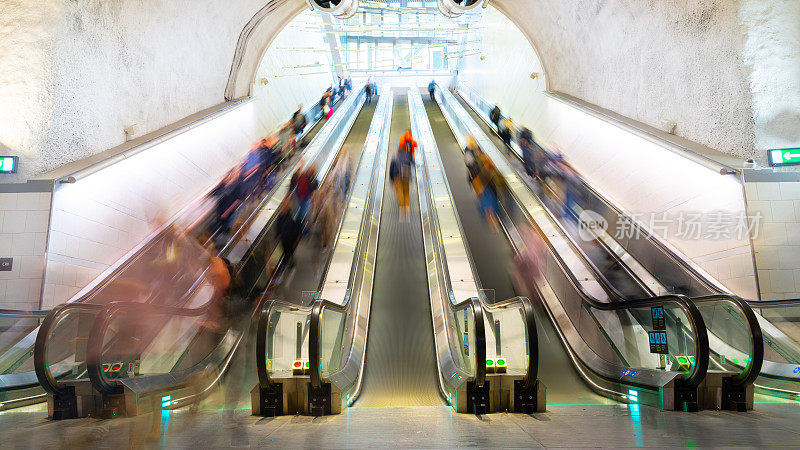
(8, 164)
(784, 157)
(6, 264)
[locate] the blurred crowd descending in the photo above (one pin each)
(310, 212)
(489, 185)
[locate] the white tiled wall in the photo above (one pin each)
(777, 245)
(23, 234)
(639, 175)
(100, 218)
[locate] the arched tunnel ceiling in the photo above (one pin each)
(93, 68)
(649, 60)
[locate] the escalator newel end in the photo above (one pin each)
(478, 398)
(319, 400)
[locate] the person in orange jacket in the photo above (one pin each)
(408, 143)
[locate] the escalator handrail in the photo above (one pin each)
(319, 304)
(43, 374)
(101, 324)
(526, 306)
(99, 328)
(476, 304)
(700, 368)
(46, 379)
(751, 372)
(94, 350)
(766, 304)
(114, 307)
(656, 240)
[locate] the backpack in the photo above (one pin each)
(394, 169)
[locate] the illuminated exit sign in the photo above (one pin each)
(8, 164)
(784, 157)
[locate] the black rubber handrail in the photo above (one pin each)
(94, 347)
(477, 304)
(42, 369)
(700, 332)
(752, 370)
(51, 317)
(99, 328)
(744, 378)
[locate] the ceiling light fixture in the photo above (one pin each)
(454, 8)
(341, 9)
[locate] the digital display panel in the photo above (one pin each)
(658, 342)
(657, 314)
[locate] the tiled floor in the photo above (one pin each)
(771, 424)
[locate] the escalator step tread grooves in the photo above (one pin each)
(400, 367)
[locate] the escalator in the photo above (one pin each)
(162, 335)
(388, 293)
(607, 340)
(734, 333)
(494, 259)
(131, 279)
(401, 364)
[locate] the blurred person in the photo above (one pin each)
(506, 130)
(526, 144)
(408, 143)
(401, 172)
(348, 85)
(572, 191)
(341, 178)
(228, 195)
(323, 215)
(432, 89)
(485, 180)
(298, 124)
(495, 115)
(303, 185)
(368, 92)
(529, 263)
(288, 231)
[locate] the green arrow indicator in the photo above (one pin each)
(784, 157)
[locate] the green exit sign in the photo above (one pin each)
(8, 164)
(784, 157)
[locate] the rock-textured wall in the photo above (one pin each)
(772, 51)
(650, 60)
(76, 73)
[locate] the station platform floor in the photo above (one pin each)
(771, 424)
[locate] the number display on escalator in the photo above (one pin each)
(658, 342)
